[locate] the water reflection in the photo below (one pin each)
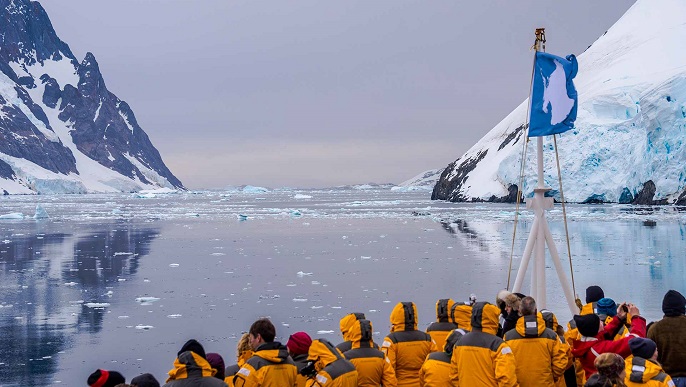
(47, 278)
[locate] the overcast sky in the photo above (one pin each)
(320, 93)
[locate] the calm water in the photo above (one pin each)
(120, 282)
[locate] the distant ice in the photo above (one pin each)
(302, 274)
(146, 300)
(254, 189)
(173, 265)
(144, 327)
(12, 216)
(122, 253)
(70, 283)
(173, 315)
(300, 300)
(40, 213)
(97, 305)
(325, 332)
(302, 196)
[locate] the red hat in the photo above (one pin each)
(299, 343)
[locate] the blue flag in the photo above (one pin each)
(553, 96)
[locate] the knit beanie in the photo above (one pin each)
(145, 380)
(674, 304)
(594, 293)
(193, 346)
(641, 347)
(299, 343)
(104, 378)
(588, 324)
(607, 307)
(217, 362)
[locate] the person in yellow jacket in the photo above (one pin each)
(346, 323)
(442, 327)
(643, 368)
(461, 315)
(435, 371)
(332, 370)
(270, 364)
(243, 353)
(540, 357)
(480, 358)
(569, 376)
(192, 369)
(407, 347)
(373, 367)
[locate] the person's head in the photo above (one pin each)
(643, 348)
(347, 322)
(104, 378)
(594, 293)
(527, 307)
(261, 331)
(674, 304)
(298, 343)
(443, 309)
(243, 345)
(485, 317)
(145, 380)
(611, 366)
(606, 307)
(404, 317)
(589, 325)
(193, 346)
(217, 362)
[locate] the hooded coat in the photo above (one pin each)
(442, 327)
(540, 357)
(405, 346)
(270, 365)
(586, 349)
(345, 324)
(373, 367)
(461, 315)
(435, 371)
(480, 358)
(569, 377)
(332, 368)
(645, 373)
(190, 370)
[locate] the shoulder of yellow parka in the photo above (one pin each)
(321, 379)
(247, 376)
(389, 349)
(388, 378)
(505, 366)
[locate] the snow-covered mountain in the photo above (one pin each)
(629, 143)
(61, 130)
(424, 181)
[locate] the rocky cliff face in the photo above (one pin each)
(61, 130)
(629, 143)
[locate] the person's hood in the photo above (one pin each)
(274, 352)
(642, 370)
(404, 317)
(485, 317)
(452, 339)
(443, 309)
(550, 319)
(360, 332)
(530, 326)
(582, 345)
(347, 322)
(187, 363)
(244, 357)
(461, 314)
(323, 353)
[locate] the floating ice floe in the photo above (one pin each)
(96, 305)
(242, 217)
(70, 283)
(123, 317)
(300, 300)
(144, 195)
(144, 327)
(146, 300)
(365, 257)
(296, 213)
(12, 216)
(173, 315)
(325, 332)
(302, 274)
(253, 189)
(301, 196)
(40, 213)
(173, 265)
(122, 253)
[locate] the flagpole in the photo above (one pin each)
(540, 234)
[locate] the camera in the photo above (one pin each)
(625, 308)
(309, 371)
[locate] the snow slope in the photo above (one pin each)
(630, 130)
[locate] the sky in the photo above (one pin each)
(312, 94)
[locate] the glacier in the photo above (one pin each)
(628, 142)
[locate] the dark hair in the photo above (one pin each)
(264, 328)
(527, 306)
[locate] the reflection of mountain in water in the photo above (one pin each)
(43, 275)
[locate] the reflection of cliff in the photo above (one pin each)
(42, 274)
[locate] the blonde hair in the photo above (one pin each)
(611, 365)
(243, 345)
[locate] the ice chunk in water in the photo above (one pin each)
(302, 274)
(97, 305)
(40, 213)
(301, 196)
(300, 300)
(173, 315)
(173, 265)
(12, 216)
(325, 332)
(144, 327)
(146, 300)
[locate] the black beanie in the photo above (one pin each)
(588, 325)
(641, 347)
(193, 346)
(145, 380)
(594, 293)
(103, 378)
(674, 304)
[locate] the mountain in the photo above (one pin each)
(629, 143)
(61, 130)
(425, 181)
